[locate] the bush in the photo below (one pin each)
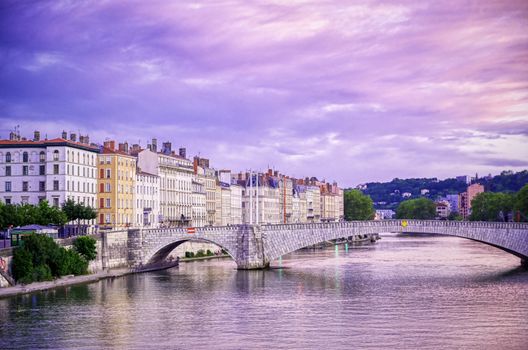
(40, 259)
(22, 266)
(85, 246)
(209, 253)
(189, 254)
(42, 273)
(200, 253)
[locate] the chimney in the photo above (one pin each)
(87, 139)
(183, 152)
(167, 148)
(154, 145)
(12, 136)
(73, 137)
(81, 139)
(36, 135)
(64, 135)
(110, 145)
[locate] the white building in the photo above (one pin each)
(236, 204)
(147, 197)
(313, 203)
(199, 210)
(54, 170)
(176, 174)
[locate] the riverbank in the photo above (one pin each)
(66, 281)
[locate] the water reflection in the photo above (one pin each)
(404, 292)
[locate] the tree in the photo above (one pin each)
(489, 206)
(47, 215)
(78, 211)
(85, 246)
(521, 202)
(358, 206)
(39, 258)
(421, 208)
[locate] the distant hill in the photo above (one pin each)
(387, 195)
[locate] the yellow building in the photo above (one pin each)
(116, 182)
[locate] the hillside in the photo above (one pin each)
(387, 195)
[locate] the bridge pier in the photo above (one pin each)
(524, 263)
(250, 249)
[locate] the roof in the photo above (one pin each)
(47, 143)
(140, 172)
(106, 150)
(34, 227)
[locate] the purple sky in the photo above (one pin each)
(343, 90)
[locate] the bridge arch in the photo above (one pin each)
(160, 253)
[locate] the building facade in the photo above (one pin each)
(54, 170)
(116, 185)
(147, 198)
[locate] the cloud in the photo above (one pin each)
(352, 91)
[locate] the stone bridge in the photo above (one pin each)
(254, 247)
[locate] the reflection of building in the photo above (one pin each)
(465, 199)
(53, 170)
(147, 200)
(116, 182)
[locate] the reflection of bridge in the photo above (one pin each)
(254, 247)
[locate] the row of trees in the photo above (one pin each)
(486, 206)
(41, 259)
(44, 214)
(490, 206)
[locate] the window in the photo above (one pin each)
(107, 188)
(55, 155)
(8, 157)
(108, 203)
(25, 170)
(56, 202)
(55, 185)
(108, 173)
(8, 170)
(108, 159)
(101, 218)
(42, 170)
(101, 173)
(7, 200)
(24, 200)
(25, 157)
(101, 188)
(42, 157)
(25, 186)
(41, 199)
(101, 160)
(101, 203)
(42, 186)
(55, 169)
(8, 186)
(107, 218)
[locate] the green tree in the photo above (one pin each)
(420, 208)
(489, 206)
(521, 202)
(358, 206)
(78, 211)
(47, 215)
(85, 246)
(40, 259)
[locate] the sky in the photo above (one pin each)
(351, 91)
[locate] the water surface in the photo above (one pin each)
(427, 292)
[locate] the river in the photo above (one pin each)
(404, 292)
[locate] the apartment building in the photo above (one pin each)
(116, 185)
(54, 170)
(147, 198)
